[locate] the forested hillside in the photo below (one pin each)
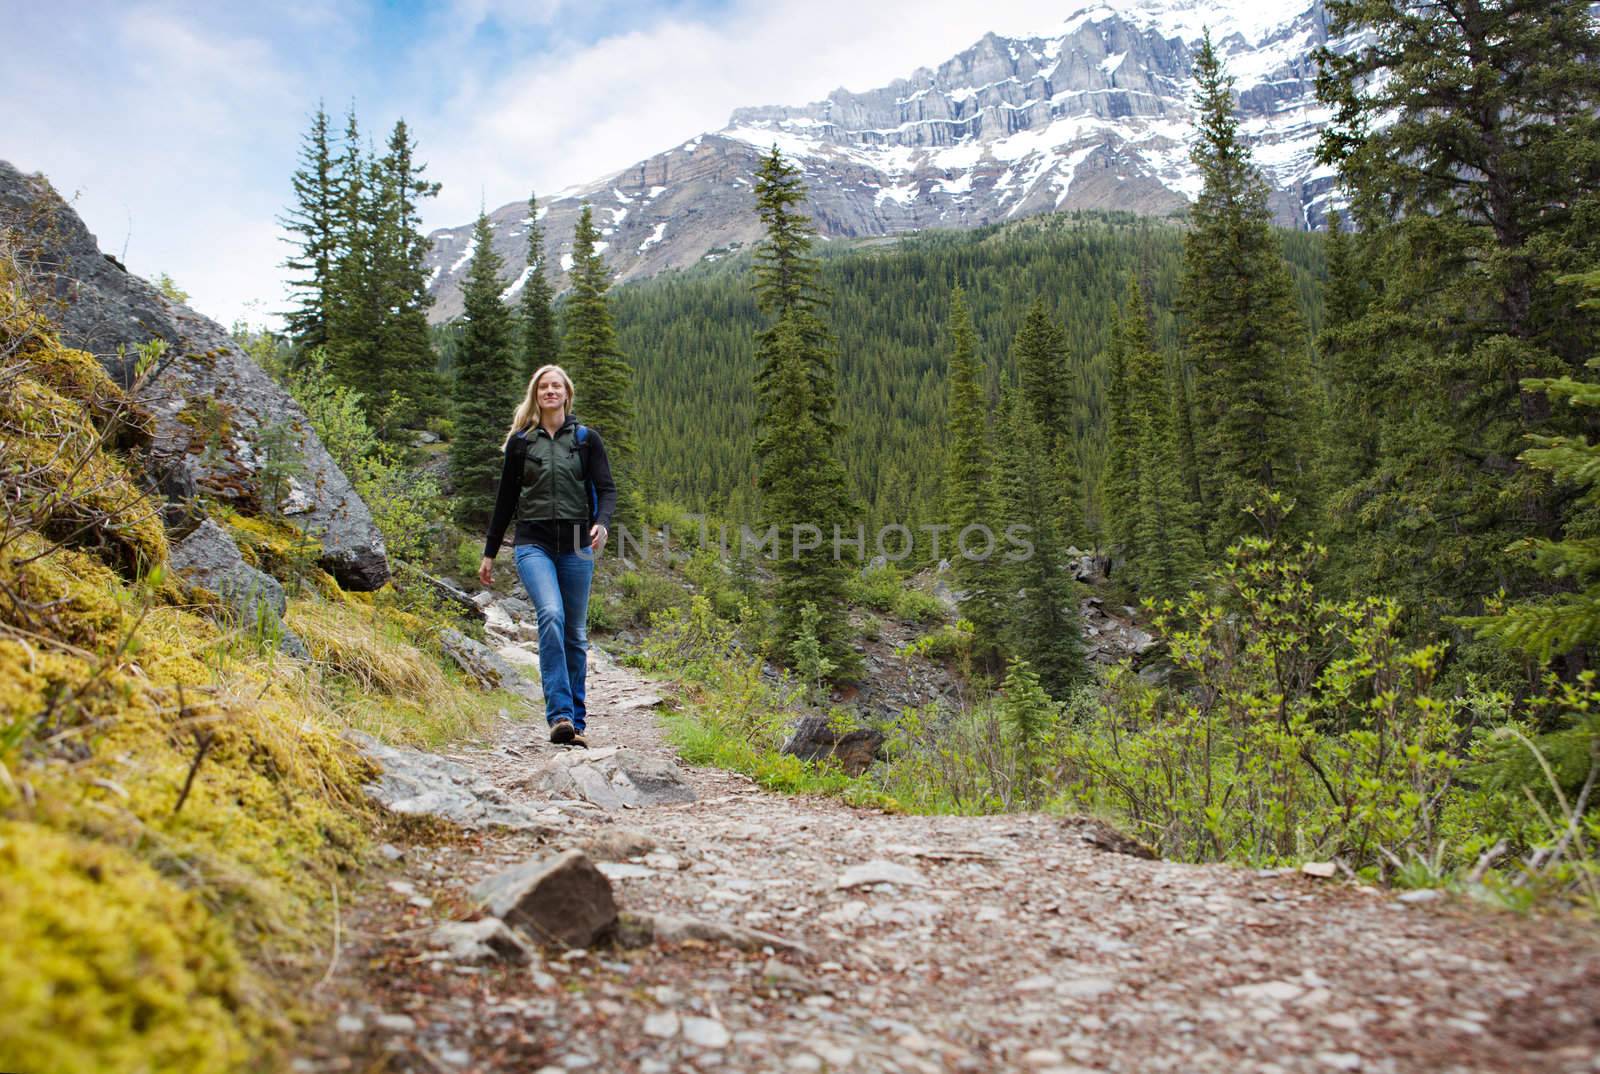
(690, 337)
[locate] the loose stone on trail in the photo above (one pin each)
(880, 872)
(562, 900)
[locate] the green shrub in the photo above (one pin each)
(1309, 731)
(716, 581)
(646, 594)
(915, 606)
(876, 587)
(949, 645)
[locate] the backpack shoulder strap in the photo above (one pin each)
(581, 434)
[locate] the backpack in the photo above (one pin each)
(581, 434)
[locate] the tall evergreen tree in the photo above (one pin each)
(801, 480)
(803, 485)
(540, 345)
(1242, 330)
(595, 362)
(313, 231)
(408, 384)
(1347, 362)
(1040, 355)
(354, 314)
(1165, 534)
(483, 380)
(1119, 484)
(590, 345)
(1044, 627)
(967, 490)
(1157, 530)
(1467, 134)
(1043, 364)
(787, 283)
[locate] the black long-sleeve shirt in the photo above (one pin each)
(554, 536)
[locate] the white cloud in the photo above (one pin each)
(180, 124)
(558, 119)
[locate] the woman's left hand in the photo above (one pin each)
(597, 538)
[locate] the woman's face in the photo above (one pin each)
(551, 392)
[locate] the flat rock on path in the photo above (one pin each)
(1025, 947)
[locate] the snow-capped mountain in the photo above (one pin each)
(1093, 113)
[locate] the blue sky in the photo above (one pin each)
(174, 126)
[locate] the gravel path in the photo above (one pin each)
(1009, 943)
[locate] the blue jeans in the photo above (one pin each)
(559, 589)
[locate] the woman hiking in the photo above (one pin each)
(556, 483)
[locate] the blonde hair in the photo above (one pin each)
(528, 411)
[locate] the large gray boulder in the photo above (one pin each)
(210, 402)
(814, 739)
(210, 559)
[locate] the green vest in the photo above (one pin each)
(552, 477)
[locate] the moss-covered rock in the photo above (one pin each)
(176, 805)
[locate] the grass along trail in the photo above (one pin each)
(1003, 943)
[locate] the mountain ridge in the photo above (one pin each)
(1092, 114)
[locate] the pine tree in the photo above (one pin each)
(1564, 625)
(787, 282)
(801, 480)
(1466, 135)
(1119, 485)
(1347, 360)
(1551, 626)
(592, 358)
(1160, 534)
(409, 384)
(1043, 362)
(353, 311)
(312, 225)
(1044, 627)
(967, 480)
(540, 347)
(803, 485)
(1242, 331)
(1030, 717)
(1188, 457)
(1040, 355)
(483, 379)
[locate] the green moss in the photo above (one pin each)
(111, 966)
(64, 479)
(275, 546)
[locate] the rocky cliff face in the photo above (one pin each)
(1092, 114)
(211, 404)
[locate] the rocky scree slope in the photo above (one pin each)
(1093, 113)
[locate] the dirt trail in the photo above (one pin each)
(1012, 944)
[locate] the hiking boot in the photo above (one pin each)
(562, 732)
(577, 739)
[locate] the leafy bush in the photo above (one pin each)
(716, 581)
(876, 587)
(950, 645)
(646, 594)
(406, 505)
(1307, 730)
(915, 606)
